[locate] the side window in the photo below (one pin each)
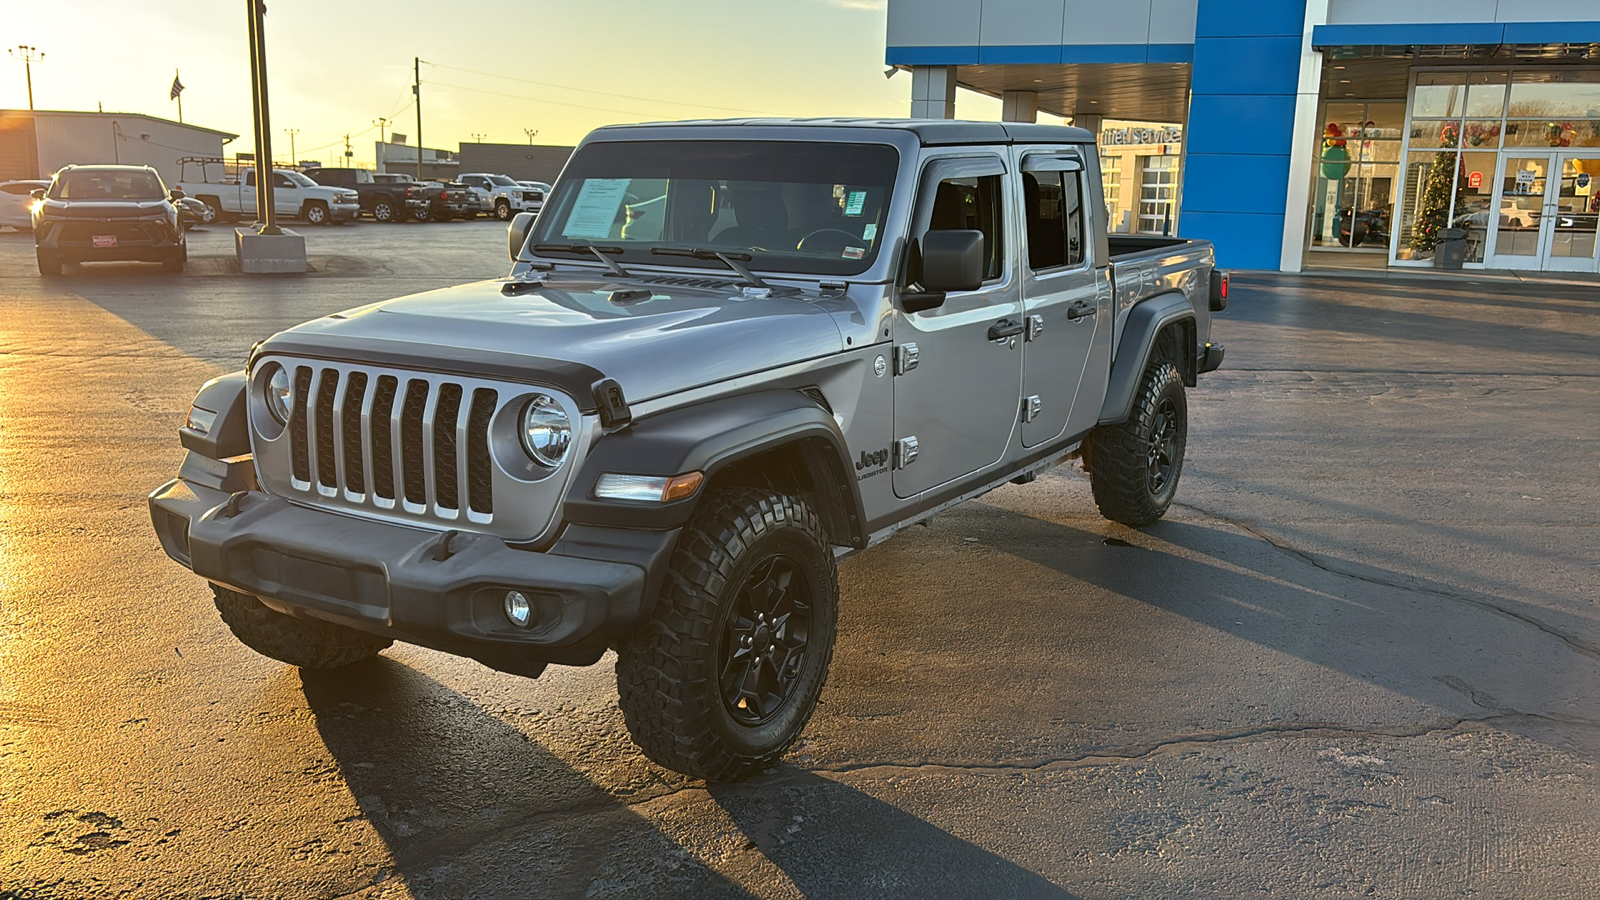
(281, 181)
(1053, 204)
(250, 178)
(973, 203)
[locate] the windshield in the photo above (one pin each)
(807, 207)
(502, 180)
(300, 179)
(105, 184)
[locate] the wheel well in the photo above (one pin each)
(1175, 343)
(808, 468)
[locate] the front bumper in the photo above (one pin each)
(401, 582)
(343, 212)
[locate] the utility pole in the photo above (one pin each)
(530, 132)
(382, 123)
(347, 151)
(28, 55)
(416, 88)
(294, 159)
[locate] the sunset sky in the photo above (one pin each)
(497, 67)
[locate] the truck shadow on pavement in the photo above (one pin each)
(1467, 657)
(469, 806)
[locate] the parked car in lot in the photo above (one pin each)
(192, 213)
(441, 201)
(540, 191)
(16, 202)
(106, 213)
(661, 443)
(506, 197)
(382, 200)
(232, 194)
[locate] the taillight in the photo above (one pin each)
(1224, 287)
(443, 195)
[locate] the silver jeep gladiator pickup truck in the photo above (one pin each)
(727, 355)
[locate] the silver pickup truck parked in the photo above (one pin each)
(660, 435)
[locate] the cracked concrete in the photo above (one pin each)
(1357, 660)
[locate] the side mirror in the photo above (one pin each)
(37, 193)
(175, 194)
(951, 261)
(517, 233)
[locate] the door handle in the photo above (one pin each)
(1080, 310)
(1005, 328)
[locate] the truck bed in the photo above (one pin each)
(1143, 266)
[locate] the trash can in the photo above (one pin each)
(1450, 250)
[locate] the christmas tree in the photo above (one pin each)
(1433, 208)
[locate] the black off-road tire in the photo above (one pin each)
(1134, 466)
(672, 673)
(307, 643)
(176, 263)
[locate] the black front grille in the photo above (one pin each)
(397, 437)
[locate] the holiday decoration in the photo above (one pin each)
(1433, 207)
(1335, 158)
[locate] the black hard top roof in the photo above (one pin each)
(930, 132)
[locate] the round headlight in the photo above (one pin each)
(546, 431)
(280, 393)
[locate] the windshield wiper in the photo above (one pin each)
(728, 259)
(598, 253)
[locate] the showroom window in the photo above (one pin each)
(1357, 163)
(1111, 179)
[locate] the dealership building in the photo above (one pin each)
(1378, 133)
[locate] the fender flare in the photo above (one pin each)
(229, 434)
(708, 438)
(1145, 322)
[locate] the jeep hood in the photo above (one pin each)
(677, 338)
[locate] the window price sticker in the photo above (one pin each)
(595, 210)
(854, 203)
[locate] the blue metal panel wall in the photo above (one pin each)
(1241, 123)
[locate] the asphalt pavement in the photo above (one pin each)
(1361, 657)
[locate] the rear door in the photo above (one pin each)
(957, 385)
(247, 193)
(1060, 287)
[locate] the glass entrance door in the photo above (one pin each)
(1573, 214)
(1549, 212)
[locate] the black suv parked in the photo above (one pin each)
(95, 213)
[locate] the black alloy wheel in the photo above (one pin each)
(723, 676)
(763, 650)
(1134, 465)
(1163, 452)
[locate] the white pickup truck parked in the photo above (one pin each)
(506, 197)
(230, 194)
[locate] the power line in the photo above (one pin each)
(629, 112)
(601, 93)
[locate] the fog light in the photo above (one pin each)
(518, 609)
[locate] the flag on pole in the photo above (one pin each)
(177, 86)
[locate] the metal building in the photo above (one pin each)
(36, 144)
(524, 162)
(1350, 132)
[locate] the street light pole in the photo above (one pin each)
(530, 132)
(416, 88)
(265, 212)
(27, 55)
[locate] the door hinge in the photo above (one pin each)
(1035, 327)
(905, 452)
(906, 358)
(1031, 407)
